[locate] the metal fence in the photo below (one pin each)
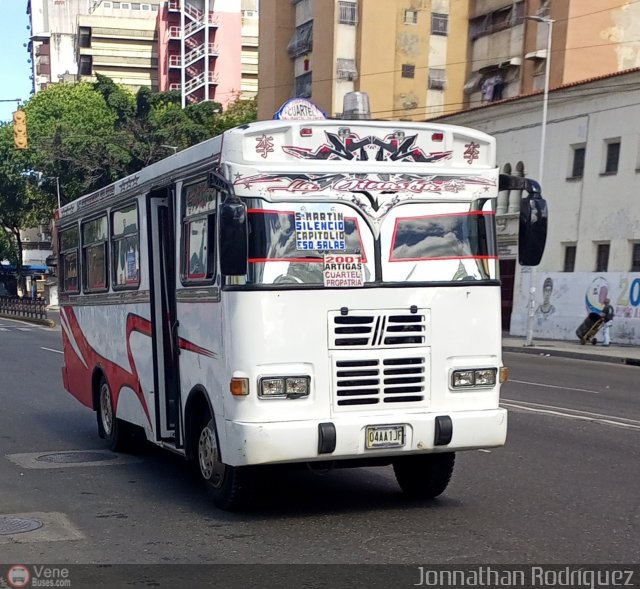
(23, 307)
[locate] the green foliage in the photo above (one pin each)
(89, 135)
(8, 250)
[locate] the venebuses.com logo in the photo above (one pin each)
(19, 576)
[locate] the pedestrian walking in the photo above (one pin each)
(607, 316)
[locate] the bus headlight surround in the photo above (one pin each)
(473, 378)
(284, 387)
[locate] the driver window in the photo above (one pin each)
(198, 233)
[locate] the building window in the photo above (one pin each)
(303, 86)
(408, 71)
(602, 257)
(577, 169)
(569, 258)
(302, 40)
(437, 78)
(635, 257)
(84, 37)
(346, 69)
(411, 17)
(545, 8)
(86, 65)
(612, 157)
(439, 24)
(348, 13)
(498, 20)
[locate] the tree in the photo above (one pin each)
(21, 202)
(85, 136)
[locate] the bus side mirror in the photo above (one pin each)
(532, 234)
(234, 237)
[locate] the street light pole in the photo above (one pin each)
(531, 305)
(58, 189)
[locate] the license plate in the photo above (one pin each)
(385, 436)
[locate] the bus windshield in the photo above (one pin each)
(285, 250)
(439, 242)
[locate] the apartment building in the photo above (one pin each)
(423, 58)
(201, 49)
(405, 54)
(52, 39)
(509, 45)
(250, 49)
(119, 40)
(206, 49)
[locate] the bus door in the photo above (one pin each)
(162, 264)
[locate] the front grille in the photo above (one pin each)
(360, 329)
(379, 381)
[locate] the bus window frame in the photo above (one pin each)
(84, 247)
(128, 285)
(62, 257)
(187, 278)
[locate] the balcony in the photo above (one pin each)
(175, 86)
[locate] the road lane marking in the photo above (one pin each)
(23, 328)
(51, 350)
(553, 386)
(573, 413)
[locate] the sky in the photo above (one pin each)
(14, 67)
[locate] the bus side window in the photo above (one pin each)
(69, 246)
(125, 248)
(94, 254)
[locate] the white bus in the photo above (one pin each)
(317, 292)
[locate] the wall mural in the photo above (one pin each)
(563, 300)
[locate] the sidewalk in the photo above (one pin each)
(619, 354)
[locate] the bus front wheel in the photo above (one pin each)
(226, 484)
(424, 476)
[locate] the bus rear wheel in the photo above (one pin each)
(226, 484)
(424, 476)
(120, 435)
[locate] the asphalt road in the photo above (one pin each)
(563, 490)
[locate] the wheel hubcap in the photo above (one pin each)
(106, 410)
(210, 466)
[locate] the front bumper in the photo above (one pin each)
(298, 441)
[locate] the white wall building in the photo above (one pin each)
(591, 182)
(53, 39)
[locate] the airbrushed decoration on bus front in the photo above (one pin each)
(345, 145)
(414, 183)
(117, 376)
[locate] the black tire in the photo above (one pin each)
(424, 476)
(120, 435)
(227, 485)
(594, 341)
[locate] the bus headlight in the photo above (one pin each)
(476, 377)
(284, 387)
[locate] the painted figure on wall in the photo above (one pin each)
(546, 308)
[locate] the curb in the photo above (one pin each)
(572, 354)
(45, 322)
